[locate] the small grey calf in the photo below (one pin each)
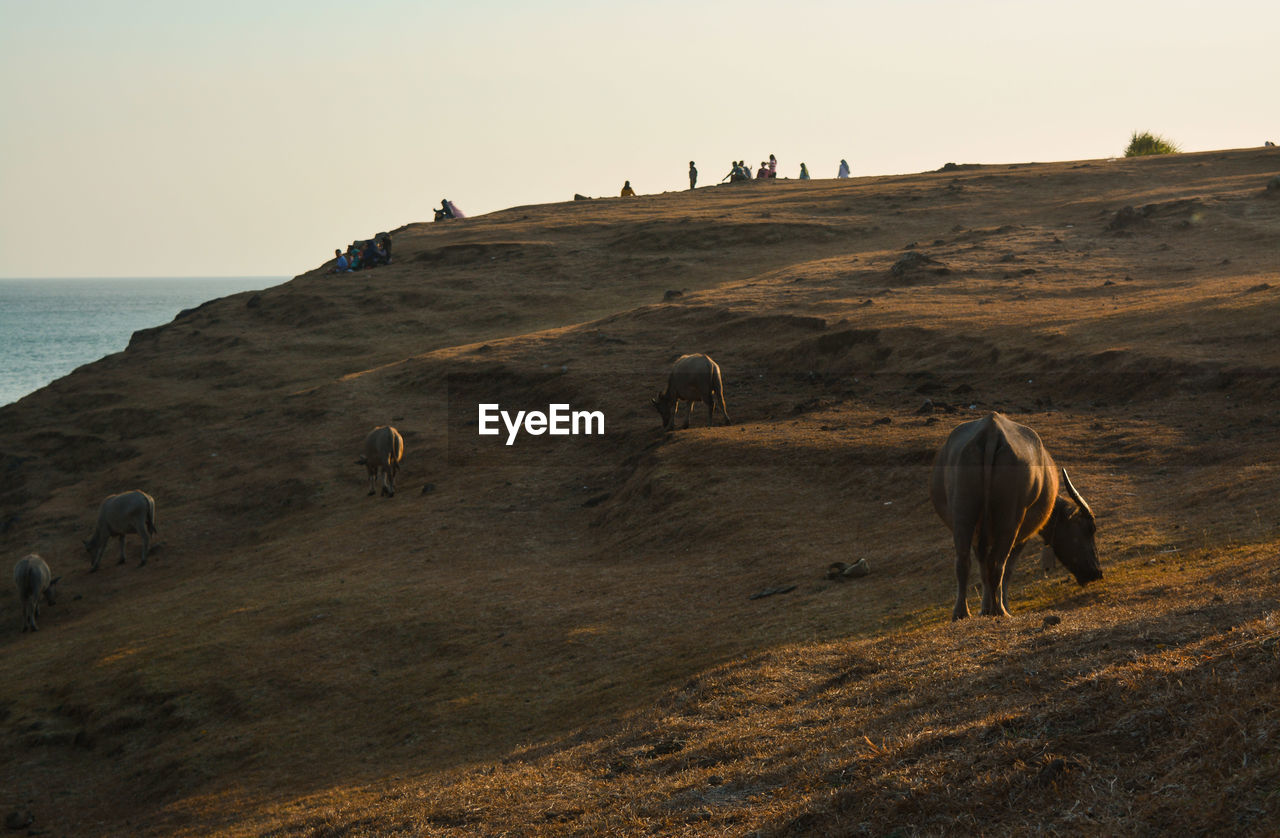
(34, 579)
(694, 378)
(383, 448)
(119, 515)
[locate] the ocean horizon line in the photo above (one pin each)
(150, 277)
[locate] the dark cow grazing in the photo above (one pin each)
(119, 515)
(995, 486)
(383, 448)
(33, 579)
(694, 378)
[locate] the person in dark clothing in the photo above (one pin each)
(448, 209)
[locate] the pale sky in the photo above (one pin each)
(171, 138)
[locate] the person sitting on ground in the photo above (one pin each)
(763, 172)
(804, 172)
(384, 246)
(353, 256)
(342, 266)
(627, 191)
(448, 209)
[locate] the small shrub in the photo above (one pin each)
(1148, 143)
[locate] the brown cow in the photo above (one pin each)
(383, 448)
(995, 486)
(693, 378)
(32, 577)
(119, 515)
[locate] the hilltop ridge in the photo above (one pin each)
(558, 637)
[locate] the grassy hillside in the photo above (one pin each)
(559, 637)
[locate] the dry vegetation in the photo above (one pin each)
(559, 638)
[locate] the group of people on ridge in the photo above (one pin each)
(377, 250)
(363, 254)
(740, 173)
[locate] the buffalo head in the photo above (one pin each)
(663, 404)
(1070, 534)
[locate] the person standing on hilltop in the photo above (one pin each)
(693, 175)
(804, 172)
(773, 166)
(844, 168)
(627, 191)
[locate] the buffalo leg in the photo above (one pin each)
(993, 569)
(1008, 571)
(146, 545)
(121, 550)
(688, 414)
(711, 410)
(723, 410)
(963, 540)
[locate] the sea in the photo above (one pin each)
(48, 327)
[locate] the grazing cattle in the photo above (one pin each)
(694, 378)
(383, 448)
(33, 578)
(119, 515)
(995, 486)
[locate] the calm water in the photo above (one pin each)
(48, 327)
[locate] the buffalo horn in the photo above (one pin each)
(1075, 496)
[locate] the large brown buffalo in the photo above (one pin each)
(383, 448)
(119, 515)
(995, 486)
(693, 378)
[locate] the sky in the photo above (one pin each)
(163, 138)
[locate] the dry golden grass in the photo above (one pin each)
(559, 639)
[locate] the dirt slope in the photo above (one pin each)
(558, 637)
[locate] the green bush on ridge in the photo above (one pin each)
(1148, 143)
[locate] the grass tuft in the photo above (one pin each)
(1146, 143)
